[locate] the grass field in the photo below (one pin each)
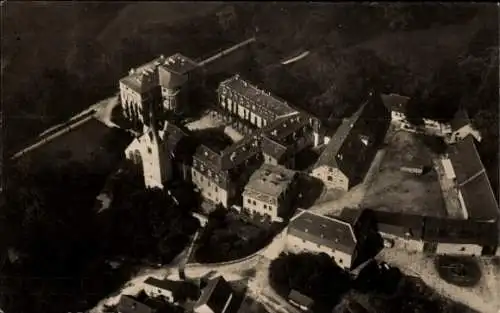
(398, 191)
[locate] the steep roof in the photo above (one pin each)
(329, 155)
(460, 120)
(445, 230)
(399, 224)
(465, 159)
(277, 139)
(300, 298)
(239, 152)
(328, 231)
(215, 294)
(472, 180)
(144, 77)
(395, 102)
(265, 104)
(129, 304)
(171, 285)
(480, 199)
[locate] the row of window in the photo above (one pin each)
(202, 179)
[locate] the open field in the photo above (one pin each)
(483, 297)
(395, 190)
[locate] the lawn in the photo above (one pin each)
(399, 191)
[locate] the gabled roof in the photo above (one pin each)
(208, 157)
(265, 104)
(300, 298)
(465, 159)
(277, 139)
(472, 180)
(460, 120)
(399, 224)
(166, 284)
(445, 230)
(395, 102)
(129, 304)
(215, 294)
(239, 152)
(144, 77)
(329, 155)
(327, 231)
(480, 199)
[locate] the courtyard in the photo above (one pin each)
(397, 190)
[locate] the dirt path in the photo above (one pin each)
(483, 297)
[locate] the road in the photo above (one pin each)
(72, 123)
(260, 287)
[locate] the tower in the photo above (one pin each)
(156, 163)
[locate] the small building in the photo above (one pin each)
(396, 104)
(321, 234)
(417, 169)
(461, 127)
(348, 155)
(476, 195)
(270, 192)
(300, 300)
(129, 304)
(216, 297)
(171, 290)
(459, 237)
(401, 229)
(245, 101)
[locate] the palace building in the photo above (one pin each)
(245, 101)
(222, 176)
(160, 84)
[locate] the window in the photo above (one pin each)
(249, 201)
(149, 150)
(216, 189)
(340, 261)
(265, 206)
(462, 249)
(254, 203)
(330, 178)
(209, 184)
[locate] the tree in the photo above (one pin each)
(315, 275)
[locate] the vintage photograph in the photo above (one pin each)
(249, 157)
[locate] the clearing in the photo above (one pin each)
(395, 190)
